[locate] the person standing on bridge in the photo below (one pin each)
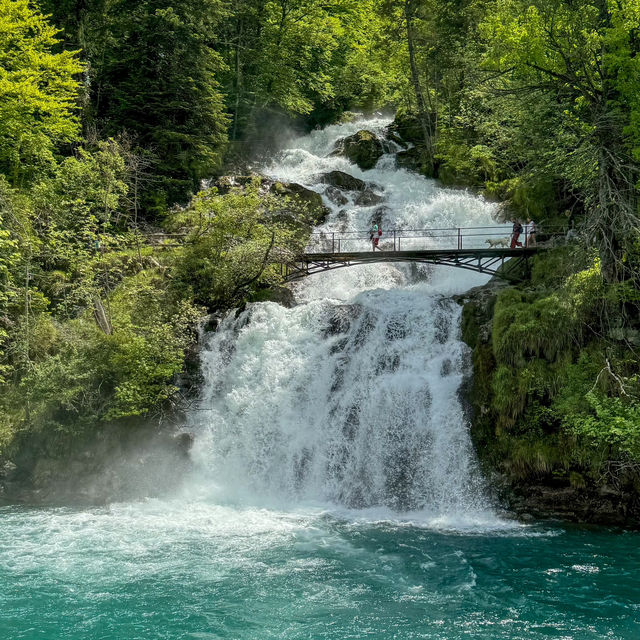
(515, 234)
(374, 236)
(531, 233)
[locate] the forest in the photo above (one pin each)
(113, 115)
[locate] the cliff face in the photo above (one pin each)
(535, 466)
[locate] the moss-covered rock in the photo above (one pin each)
(407, 126)
(282, 295)
(303, 194)
(409, 159)
(369, 198)
(362, 148)
(545, 425)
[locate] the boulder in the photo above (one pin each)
(409, 159)
(184, 442)
(280, 295)
(362, 148)
(225, 184)
(293, 189)
(341, 318)
(336, 196)
(368, 198)
(8, 469)
(304, 195)
(394, 137)
(343, 181)
(407, 127)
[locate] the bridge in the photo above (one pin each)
(482, 249)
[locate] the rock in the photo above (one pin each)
(184, 442)
(305, 196)
(341, 318)
(362, 148)
(407, 126)
(336, 196)
(302, 194)
(211, 323)
(397, 139)
(409, 159)
(477, 311)
(280, 295)
(7, 469)
(343, 218)
(368, 198)
(343, 180)
(293, 189)
(225, 184)
(607, 491)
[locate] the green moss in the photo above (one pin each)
(527, 326)
(555, 397)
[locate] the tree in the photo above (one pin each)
(153, 70)
(307, 58)
(582, 56)
(237, 242)
(39, 90)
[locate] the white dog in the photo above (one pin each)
(500, 242)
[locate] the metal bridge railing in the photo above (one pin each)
(402, 239)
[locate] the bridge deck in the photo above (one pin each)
(503, 262)
(419, 254)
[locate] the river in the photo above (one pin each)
(334, 492)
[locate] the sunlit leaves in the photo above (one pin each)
(38, 91)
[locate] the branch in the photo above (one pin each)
(263, 266)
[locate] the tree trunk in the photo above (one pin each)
(100, 315)
(423, 113)
(238, 79)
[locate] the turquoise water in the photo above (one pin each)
(172, 570)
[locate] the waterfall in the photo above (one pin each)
(350, 399)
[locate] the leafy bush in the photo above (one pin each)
(78, 375)
(615, 422)
(237, 243)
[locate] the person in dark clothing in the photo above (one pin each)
(515, 234)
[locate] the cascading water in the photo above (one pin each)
(336, 494)
(350, 398)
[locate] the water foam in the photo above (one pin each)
(351, 399)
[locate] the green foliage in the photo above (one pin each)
(147, 347)
(552, 269)
(98, 333)
(559, 396)
(153, 73)
(38, 92)
(534, 101)
(614, 422)
(303, 56)
(237, 243)
(79, 375)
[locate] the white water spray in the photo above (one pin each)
(351, 399)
